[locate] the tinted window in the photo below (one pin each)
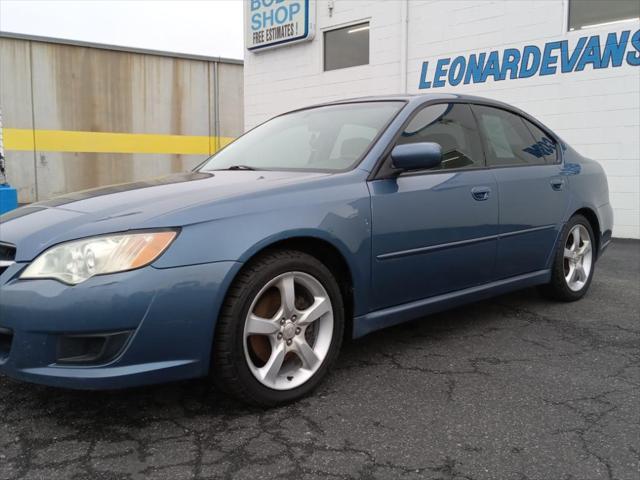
(544, 144)
(332, 137)
(453, 127)
(590, 13)
(346, 47)
(508, 141)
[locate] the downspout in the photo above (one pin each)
(404, 44)
(3, 172)
(216, 102)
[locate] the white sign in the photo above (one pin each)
(271, 23)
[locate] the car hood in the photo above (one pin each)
(136, 205)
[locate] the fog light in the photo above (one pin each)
(91, 349)
(6, 337)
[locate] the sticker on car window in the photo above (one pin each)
(494, 129)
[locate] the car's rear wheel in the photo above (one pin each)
(574, 262)
(280, 329)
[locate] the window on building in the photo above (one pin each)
(590, 13)
(453, 127)
(346, 47)
(508, 141)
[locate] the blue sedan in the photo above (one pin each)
(325, 222)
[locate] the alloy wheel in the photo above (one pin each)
(578, 256)
(288, 330)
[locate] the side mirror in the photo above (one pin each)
(416, 156)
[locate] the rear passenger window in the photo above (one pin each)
(508, 140)
(545, 145)
(453, 127)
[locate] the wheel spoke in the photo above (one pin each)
(287, 294)
(575, 233)
(575, 275)
(580, 275)
(261, 326)
(306, 354)
(271, 369)
(320, 307)
(569, 276)
(586, 248)
(568, 253)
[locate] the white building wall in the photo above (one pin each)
(288, 77)
(595, 111)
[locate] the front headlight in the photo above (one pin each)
(74, 262)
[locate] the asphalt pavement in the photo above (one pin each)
(517, 387)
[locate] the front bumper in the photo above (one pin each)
(170, 315)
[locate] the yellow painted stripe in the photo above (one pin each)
(17, 139)
(108, 142)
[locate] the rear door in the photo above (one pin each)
(434, 231)
(533, 193)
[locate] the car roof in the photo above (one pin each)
(417, 99)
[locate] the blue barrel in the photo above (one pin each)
(8, 198)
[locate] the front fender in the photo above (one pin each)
(341, 218)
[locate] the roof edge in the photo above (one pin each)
(117, 48)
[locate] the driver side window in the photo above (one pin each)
(452, 125)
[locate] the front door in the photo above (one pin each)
(533, 192)
(435, 231)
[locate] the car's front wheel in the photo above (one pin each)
(574, 261)
(280, 329)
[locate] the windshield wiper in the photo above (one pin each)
(240, 167)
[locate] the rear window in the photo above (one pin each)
(509, 141)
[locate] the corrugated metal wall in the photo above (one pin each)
(66, 107)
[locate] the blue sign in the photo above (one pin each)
(554, 57)
(277, 22)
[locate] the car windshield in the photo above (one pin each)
(327, 138)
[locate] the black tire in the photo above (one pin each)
(557, 288)
(229, 369)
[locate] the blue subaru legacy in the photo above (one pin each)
(338, 219)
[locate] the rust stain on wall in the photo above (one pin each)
(82, 88)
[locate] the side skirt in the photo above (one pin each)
(387, 317)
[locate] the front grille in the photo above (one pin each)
(7, 256)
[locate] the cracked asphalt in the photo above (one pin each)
(517, 387)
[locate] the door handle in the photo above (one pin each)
(481, 193)
(557, 184)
